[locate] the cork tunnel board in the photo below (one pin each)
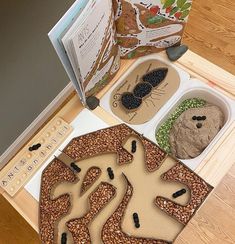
(103, 195)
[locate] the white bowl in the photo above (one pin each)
(195, 88)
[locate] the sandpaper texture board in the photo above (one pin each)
(90, 206)
(153, 102)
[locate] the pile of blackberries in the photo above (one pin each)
(129, 101)
(150, 80)
(179, 193)
(136, 220)
(154, 77)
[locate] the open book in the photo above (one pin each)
(93, 35)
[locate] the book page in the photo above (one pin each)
(65, 39)
(148, 26)
(95, 46)
(55, 34)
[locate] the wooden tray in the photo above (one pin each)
(212, 169)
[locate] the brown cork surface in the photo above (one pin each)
(50, 211)
(97, 200)
(112, 231)
(199, 191)
(153, 154)
(60, 213)
(91, 176)
(111, 140)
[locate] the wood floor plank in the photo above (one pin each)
(226, 191)
(213, 223)
(211, 31)
(13, 228)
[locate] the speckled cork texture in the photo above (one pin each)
(51, 211)
(91, 176)
(97, 200)
(111, 140)
(100, 192)
(199, 191)
(112, 231)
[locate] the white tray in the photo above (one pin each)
(188, 88)
(194, 88)
(105, 100)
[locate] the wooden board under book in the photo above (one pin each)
(23, 166)
(197, 67)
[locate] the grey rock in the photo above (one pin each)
(92, 102)
(174, 53)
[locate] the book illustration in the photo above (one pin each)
(144, 91)
(149, 26)
(93, 47)
(104, 212)
(93, 35)
(107, 62)
(54, 35)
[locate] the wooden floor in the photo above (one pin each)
(211, 34)
(215, 221)
(211, 31)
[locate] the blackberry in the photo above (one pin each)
(136, 220)
(129, 101)
(35, 147)
(75, 167)
(135, 217)
(142, 89)
(110, 173)
(64, 238)
(179, 193)
(133, 146)
(199, 125)
(156, 76)
(137, 225)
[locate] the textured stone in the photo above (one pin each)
(92, 102)
(174, 53)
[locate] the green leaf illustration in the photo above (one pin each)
(168, 3)
(184, 14)
(186, 6)
(131, 54)
(180, 3)
(174, 10)
(155, 19)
